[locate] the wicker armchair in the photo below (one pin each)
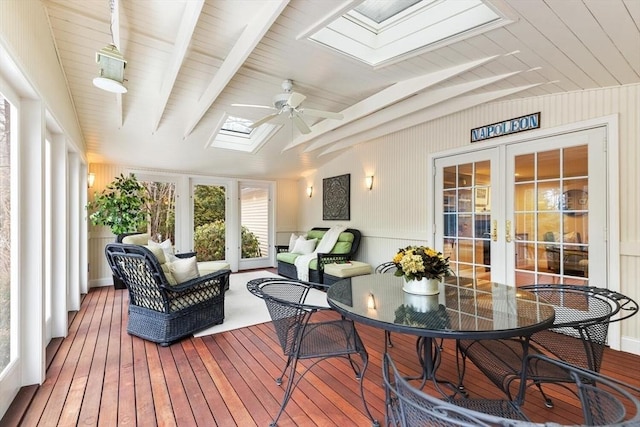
(161, 312)
(300, 338)
(579, 336)
(609, 403)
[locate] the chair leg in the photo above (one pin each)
(279, 379)
(292, 362)
(365, 365)
(387, 339)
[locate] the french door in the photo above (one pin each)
(528, 212)
(256, 231)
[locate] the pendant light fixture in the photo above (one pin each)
(111, 62)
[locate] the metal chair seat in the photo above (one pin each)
(302, 338)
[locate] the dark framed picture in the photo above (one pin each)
(336, 194)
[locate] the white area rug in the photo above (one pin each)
(242, 309)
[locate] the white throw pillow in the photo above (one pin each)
(184, 269)
(166, 247)
(304, 246)
(158, 253)
(292, 241)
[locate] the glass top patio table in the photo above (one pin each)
(464, 308)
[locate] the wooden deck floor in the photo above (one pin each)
(101, 376)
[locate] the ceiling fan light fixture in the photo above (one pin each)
(112, 65)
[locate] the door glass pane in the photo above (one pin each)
(209, 225)
(162, 210)
(552, 233)
(254, 217)
(467, 218)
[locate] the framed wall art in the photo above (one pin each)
(336, 195)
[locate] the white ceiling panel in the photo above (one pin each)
(563, 45)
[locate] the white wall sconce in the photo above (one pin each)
(310, 191)
(91, 179)
(369, 181)
(371, 301)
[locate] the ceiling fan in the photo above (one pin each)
(289, 102)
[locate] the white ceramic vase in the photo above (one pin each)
(423, 286)
(422, 303)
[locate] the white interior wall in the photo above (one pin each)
(394, 213)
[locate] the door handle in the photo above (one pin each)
(494, 231)
(507, 231)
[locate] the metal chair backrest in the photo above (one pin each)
(407, 406)
(284, 300)
(582, 313)
(604, 401)
(386, 267)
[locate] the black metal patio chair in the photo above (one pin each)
(579, 337)
(301, 338)
(603, 401)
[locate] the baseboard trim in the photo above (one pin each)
(631, 345)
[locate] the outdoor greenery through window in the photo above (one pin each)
(5, 233)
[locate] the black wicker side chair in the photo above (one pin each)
(603, 401)
(161, 312)
(301, 338)
(578, 336)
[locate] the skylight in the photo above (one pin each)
(235, 133)
(237, 125)
(379, 32)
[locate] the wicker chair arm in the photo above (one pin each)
(183, 255)
(216, 278)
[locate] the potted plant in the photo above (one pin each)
(123, 206)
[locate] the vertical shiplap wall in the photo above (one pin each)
(394, 213)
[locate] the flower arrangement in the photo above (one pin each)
(417, 262)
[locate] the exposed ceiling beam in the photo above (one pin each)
(188, 23)
(386, 97)
(396, 111)
(248, 40)
(115, 34)
(419, 117)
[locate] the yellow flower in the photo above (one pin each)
(416, 262)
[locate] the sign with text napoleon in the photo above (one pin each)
(519, 124)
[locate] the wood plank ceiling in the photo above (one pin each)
(188, 61)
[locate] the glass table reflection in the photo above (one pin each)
(463, 309)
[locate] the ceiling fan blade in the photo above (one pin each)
(300, 124)
(253, 106)
(263, 120)
(320, 113)
(295, 99)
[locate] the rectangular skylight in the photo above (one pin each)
(378, 32)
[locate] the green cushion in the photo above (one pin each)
(291, 258)
(287, 257)
(316, 234)
(341, 248)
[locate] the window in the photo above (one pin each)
(6, 342)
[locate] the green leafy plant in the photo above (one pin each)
(123, 206)
(209, 242)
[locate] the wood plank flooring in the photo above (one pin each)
(101, 376)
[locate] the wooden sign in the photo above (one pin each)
(507, 127)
